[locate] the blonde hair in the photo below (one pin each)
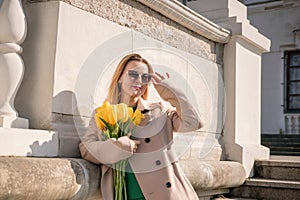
(114, 90)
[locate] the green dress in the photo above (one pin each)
(134, 191)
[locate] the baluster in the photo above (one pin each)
(296, 124)
(288, 124)
(12, 33)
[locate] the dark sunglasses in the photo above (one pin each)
(134, 75)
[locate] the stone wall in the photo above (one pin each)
(65, 45)
(136, 16)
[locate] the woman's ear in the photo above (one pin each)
(120, 81)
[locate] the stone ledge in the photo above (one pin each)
(28, 142)
(208, 175)
(48, 178)
(271, 183)
(70, 178)
(188, 18)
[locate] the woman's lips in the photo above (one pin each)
(136, 87)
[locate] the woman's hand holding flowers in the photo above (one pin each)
(133, 143)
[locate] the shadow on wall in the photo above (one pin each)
(68, 122)
(46, 149)
(68, 125)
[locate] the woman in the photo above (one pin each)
(156, 174)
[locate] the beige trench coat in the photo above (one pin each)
(154, 163)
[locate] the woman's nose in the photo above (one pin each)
(139, 79)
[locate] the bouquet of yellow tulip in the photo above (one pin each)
(115, 121)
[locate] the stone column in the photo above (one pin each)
(242, 78)
(12, 34)
(297, 38)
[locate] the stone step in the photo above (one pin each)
(282, 144)
(280, 138)
(268, 189)
(261, 182)
(284, 158)
(287, 149)
(229, 198)
(282, 170)
(295, 137)
(285, 153)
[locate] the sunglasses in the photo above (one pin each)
(134, 75)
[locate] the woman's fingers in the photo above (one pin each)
(157, 77)
(168, 75)
(134, 144)
(137, 141)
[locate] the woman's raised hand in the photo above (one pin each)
(157, 77)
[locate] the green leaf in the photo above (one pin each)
(107, 125)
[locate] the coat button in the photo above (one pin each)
(157, 162)
(147, 140)
(168, 184)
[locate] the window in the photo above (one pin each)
(254, 2)
(292, 81)
(185, 1)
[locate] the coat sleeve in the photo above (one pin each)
(92, 148)
(184, 117)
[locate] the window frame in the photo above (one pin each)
(287, 81)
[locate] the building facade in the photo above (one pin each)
(70, 49)
(279, 21)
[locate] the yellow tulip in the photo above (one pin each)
(137, 117)
(121, 112)
(116, 113)
(106, 113)
(99, 123)
(130, 113)
(124, 115)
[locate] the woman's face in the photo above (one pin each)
(134, 79)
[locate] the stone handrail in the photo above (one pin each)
(70, 178)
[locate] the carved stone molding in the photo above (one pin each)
(186, 17)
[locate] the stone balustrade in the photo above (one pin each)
(292, 123)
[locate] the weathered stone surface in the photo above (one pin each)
(48, 178)
(268, 191)
(199, 146)
(206, 175)
(281, 170)
(141, 18)
(75, 179)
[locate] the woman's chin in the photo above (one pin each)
(136, 94)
